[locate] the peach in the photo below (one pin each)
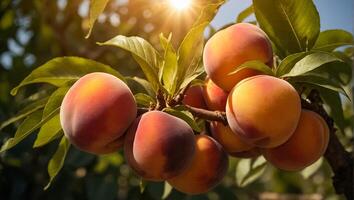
(194, 97)
(215, 97)
(229, 140)
(231, 47)
(207, 169)
(264, 110)
(96, 112)
(158, 146)
(305, 146)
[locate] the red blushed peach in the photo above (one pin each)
(305, 146)
(194, 97)
(215, 97)
(264, 110)
(231, 47)
(96, 112)
(158, 146)
(229, 140)
(208, 167)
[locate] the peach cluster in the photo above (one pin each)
(99, 116)
(263, 112)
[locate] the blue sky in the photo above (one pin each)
(335, 14)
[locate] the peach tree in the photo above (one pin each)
(262, 93)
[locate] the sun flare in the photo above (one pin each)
(180, 4)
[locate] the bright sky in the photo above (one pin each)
(335, 14)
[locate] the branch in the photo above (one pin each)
(207, 114)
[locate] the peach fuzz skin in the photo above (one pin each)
(96, 112)
(231, 47)
(305, 146)
(230, 141)
(207, 169)
(158, 146)
(215, 97)
(264, 110)
(194, 97)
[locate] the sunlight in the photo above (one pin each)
(180, 4)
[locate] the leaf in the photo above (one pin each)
(312, 169)
(59, 71)
(139, 85)
(191, 49)
(167, 190)
(334, 103)
(23, 130)
(248, 170)
(96, 8)
(288, 63)
(52, 129)
(143, 52)
(170, 65)
(292, 25)
(31, 124)
(331, 39)
(256, 65)
(190, 52)
(311, 62)
(57, 161)
(244, 14)
(142, 185)
(31, 108)
(319, 81)
(184, 115)
(144, 99)
(49, 132)
(340, 72)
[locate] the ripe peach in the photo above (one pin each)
(305, 146)
(207, 169)
(231, 47)
(229, 140)
(264, 110)
(159, 146)
(194, 97)
(96, 112)
(215, 97)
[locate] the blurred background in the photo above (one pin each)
(35, 31)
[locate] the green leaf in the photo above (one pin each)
(190, 53)
(191, 49)
(256, 65)
(310, 63)
(184, 115)
(340, 72)
(30, 124)
(288, 63)
(319, 81)
(292, 25)
(49, 132)
(334, 103)
(59, 71)
(143, 52)
(52, 129)
(57, 161)
(312, 169)
(139, 85)
(244, 14)
(167, 190)
(144, 99)
(331, 39)
(249, 170)
(31, 108)
(170, 65)
(142, 185)
(96, 8)
(23, 130)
